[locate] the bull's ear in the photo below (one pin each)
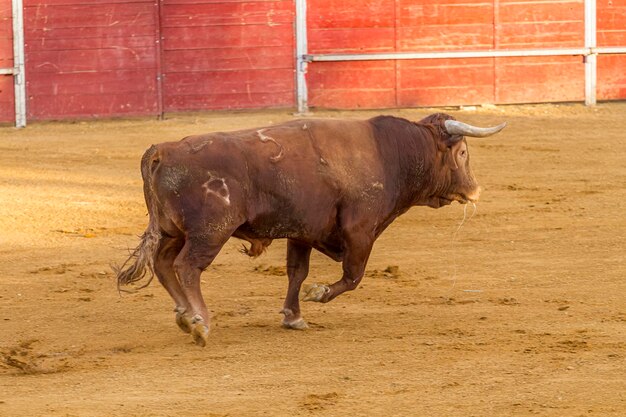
(445, 142)
(452, 140)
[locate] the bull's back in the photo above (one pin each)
(286, 180)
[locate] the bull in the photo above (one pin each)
(329, 185)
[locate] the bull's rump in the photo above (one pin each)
(287, 180)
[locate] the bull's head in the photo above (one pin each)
(457, 182)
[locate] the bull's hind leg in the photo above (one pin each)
(169, 248)
(298, 256)
(195, 256)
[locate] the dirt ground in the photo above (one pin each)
(521, 312)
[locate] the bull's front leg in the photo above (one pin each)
(298, 256)
(358, 246)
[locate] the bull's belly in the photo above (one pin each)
(325, 240)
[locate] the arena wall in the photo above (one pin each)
(611, 32)
(7, 110)
(101, 58)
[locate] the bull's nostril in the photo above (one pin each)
(474, 195)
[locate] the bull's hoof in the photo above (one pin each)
(200, 333)
(184, 322)
(316, 293)
(298, 324)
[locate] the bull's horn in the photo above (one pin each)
(454, 127)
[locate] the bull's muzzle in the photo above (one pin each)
(474, 195)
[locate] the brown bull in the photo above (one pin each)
(332, 185)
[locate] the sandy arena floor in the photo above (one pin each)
(522, 312)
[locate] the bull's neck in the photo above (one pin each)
(420, 175)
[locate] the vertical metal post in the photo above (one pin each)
(301, 50)
(19, 76)
(158, 35)
(591, 58)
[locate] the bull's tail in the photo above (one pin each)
(141, 261)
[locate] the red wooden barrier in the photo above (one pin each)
(7, 105)
(611, 32)
(447, 25)
(228, 54)
(90, 58)
(87, 58)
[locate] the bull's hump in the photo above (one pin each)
(350, 154)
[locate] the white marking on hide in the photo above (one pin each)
(195, 148)
(217, 187)
(378, 185)
(264, 138)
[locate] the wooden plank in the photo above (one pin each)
(611, 77)
(55, 3)
(531, 3)
(229, 82)
(228, 101)
(541, 35)
(539, 79)
(212, 59)
(537, 12)
(360, 84)
(538, 69)
(461, 3)
(218, 14)
(226, 36)
(101, 82)
(6, 52)
(352, 98)
(423, 13)
(529, 24)
(90, 59)
(611, 16)
(133, 44)
(7, 106)
(445, 82)
(434, 37)
(216, 1)
(445, 96)
(5, 13)
(228, 54)
(91, 32)
(94, 15)
(445, 25)
(351, 40)
(340, 14)
(611, 38)
(44, 107)
(430, 73)
(94, 60)
(352, 75)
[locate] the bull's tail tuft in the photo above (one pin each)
(141, 260)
